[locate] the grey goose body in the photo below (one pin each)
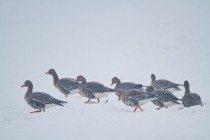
(135, 98)
(158, 103)
(66, 86)
(124, 86)
(40, 100)
(164, 84)
(165, 98)
(190, 99)
(93, 90)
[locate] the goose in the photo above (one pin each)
(164, 84)
(40, 100)
(190, 99)
(165, 98)
(123, 86)
(93, 90)
(135, 98)
(66, 86)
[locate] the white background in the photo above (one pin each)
(100, 40)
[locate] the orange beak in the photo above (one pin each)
(47, 73)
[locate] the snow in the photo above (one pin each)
(100, 40)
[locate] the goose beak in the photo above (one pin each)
(47, 73)
(23, 85)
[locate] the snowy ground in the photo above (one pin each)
(128, 39)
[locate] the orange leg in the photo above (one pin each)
(81, 94)
(87, 101)
(137, 107)
(37, 111)
(140, 108)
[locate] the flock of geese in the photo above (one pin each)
(131, 94)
